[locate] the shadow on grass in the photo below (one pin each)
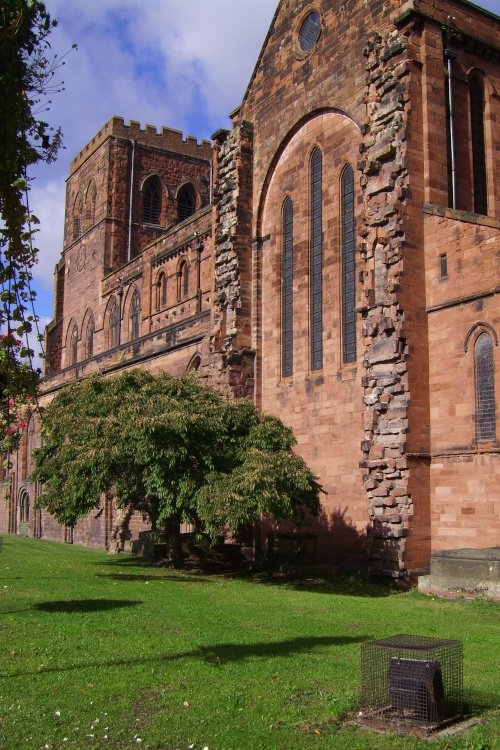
(217, 654)
(153, 576)
(84, 605)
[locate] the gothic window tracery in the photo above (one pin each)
(348, 266)
(485, 388)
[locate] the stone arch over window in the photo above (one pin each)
(89, 334)
(194, 363)
(484, 373)
(479, 175)
(316, 260)
(113, 323)
(90, 204)
(134, 316)
(186, 201)
(77, 216)
(151, 200)
(348, 247)
(183, 280)
(287, 290)
(161, 290)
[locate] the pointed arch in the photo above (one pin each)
(484, 371)
(134, 316)
(72, 343)
(161, 290)
(186, 201)
(113, 320)
(88, 333)
(183, 280)
(194, 363)
(90, 204)
(348, 247)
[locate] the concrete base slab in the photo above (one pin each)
(470, 573)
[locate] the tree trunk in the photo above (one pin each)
(174, 543)
(120, 529)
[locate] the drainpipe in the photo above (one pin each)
(450, 56)
(129, 244)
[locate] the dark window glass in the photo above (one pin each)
(186, 202)
(287, 291)
(183, 280)
(485, 389)
(90, 337)
(114, 326)
(162, 291)
(478, 150)
(443, 266)
(348, 266)
(77, 218)
(316, 263)
(74, 345)
(309, 31)
(151, 202)
(134, 317)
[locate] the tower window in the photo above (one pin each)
(316, 269)
(309, 31)
(151, 202)
(476, 98)
(287, 291)
(186, 202)
(348, 266)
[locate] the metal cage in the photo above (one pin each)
(411, 681)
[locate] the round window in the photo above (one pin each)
(309, 31)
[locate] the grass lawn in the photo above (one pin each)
(101, 652)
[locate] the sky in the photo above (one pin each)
(180, 63)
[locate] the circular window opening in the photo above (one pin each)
(309, 31)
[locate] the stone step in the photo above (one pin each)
(464, 572)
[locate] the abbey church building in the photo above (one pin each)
(334, 256)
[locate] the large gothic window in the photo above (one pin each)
(114, 325)
(476, 98)
(348, 266)
(151, 201)
(186, 202)
(134, 317)
(485, 388)
(287, 291)
(316, 262)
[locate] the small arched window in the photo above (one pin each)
(194, 364)
(485, 388)
(89, 337)
(24, 506)
(476, 98)
(73, 346)
(161, 298)
(287, 291)
(186, 202)
(134, 317)
(77, 217)
(348, 266)
(114, 325)
(316, 261)
(90, 202)
(183, 281)
(151, 201)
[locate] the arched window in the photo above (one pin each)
(183, 281)
(90, 202)
(316, 261)
(134, 317)
(476, 98)
(151, 201)
(348, 266)
(161, 294)
(287, 291)
(24, 507)
(73, 346)
(485, 388)
(186, 202)
(89, 337)
(77, 217)
(194, 364)
(114, 325)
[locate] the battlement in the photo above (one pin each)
(164, 138)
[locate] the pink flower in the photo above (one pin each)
(11, 403)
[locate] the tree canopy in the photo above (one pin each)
(172, 448)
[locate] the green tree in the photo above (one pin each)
(173, 449)
(26, 79)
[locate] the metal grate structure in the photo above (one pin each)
(411, 682)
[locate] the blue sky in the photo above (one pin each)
(181, 63)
